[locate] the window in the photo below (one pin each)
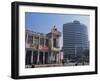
(30, 39)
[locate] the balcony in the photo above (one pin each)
(31, 46)
(55, 49)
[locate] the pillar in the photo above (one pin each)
(56, 58)
(38, 50)
(32, 57)
(43, 57)
(59, 57)
(48, 57)
(38, 58)
(58, 42)
(51, 53)
(26, 42)
(51, 48)
(33, 40)
(44, 51)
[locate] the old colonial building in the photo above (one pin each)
(43, 48)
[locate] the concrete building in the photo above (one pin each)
(75, 39)
(42, 48)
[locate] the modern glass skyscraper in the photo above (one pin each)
(75, 39)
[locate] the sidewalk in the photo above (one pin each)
(48, 65)
(54, 65)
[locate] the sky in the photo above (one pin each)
(44, 22)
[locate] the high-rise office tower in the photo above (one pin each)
(75, 39)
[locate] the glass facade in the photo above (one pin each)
(75, 39)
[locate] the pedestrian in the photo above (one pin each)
(33, 66)
(76, 64)
(63, 62)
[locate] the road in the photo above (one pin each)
(55, 65)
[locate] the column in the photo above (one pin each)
(44, 52)
(51, 48)
(32, 57)
(38, 58)
(56, 42)
(56, 58)
(59, 57)
(38, 50)
(33, 40)
(51, 41)
(48, 57)
(51, 56)
(43, 57)
(26, 42)
(26, 38)
(59, 54)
